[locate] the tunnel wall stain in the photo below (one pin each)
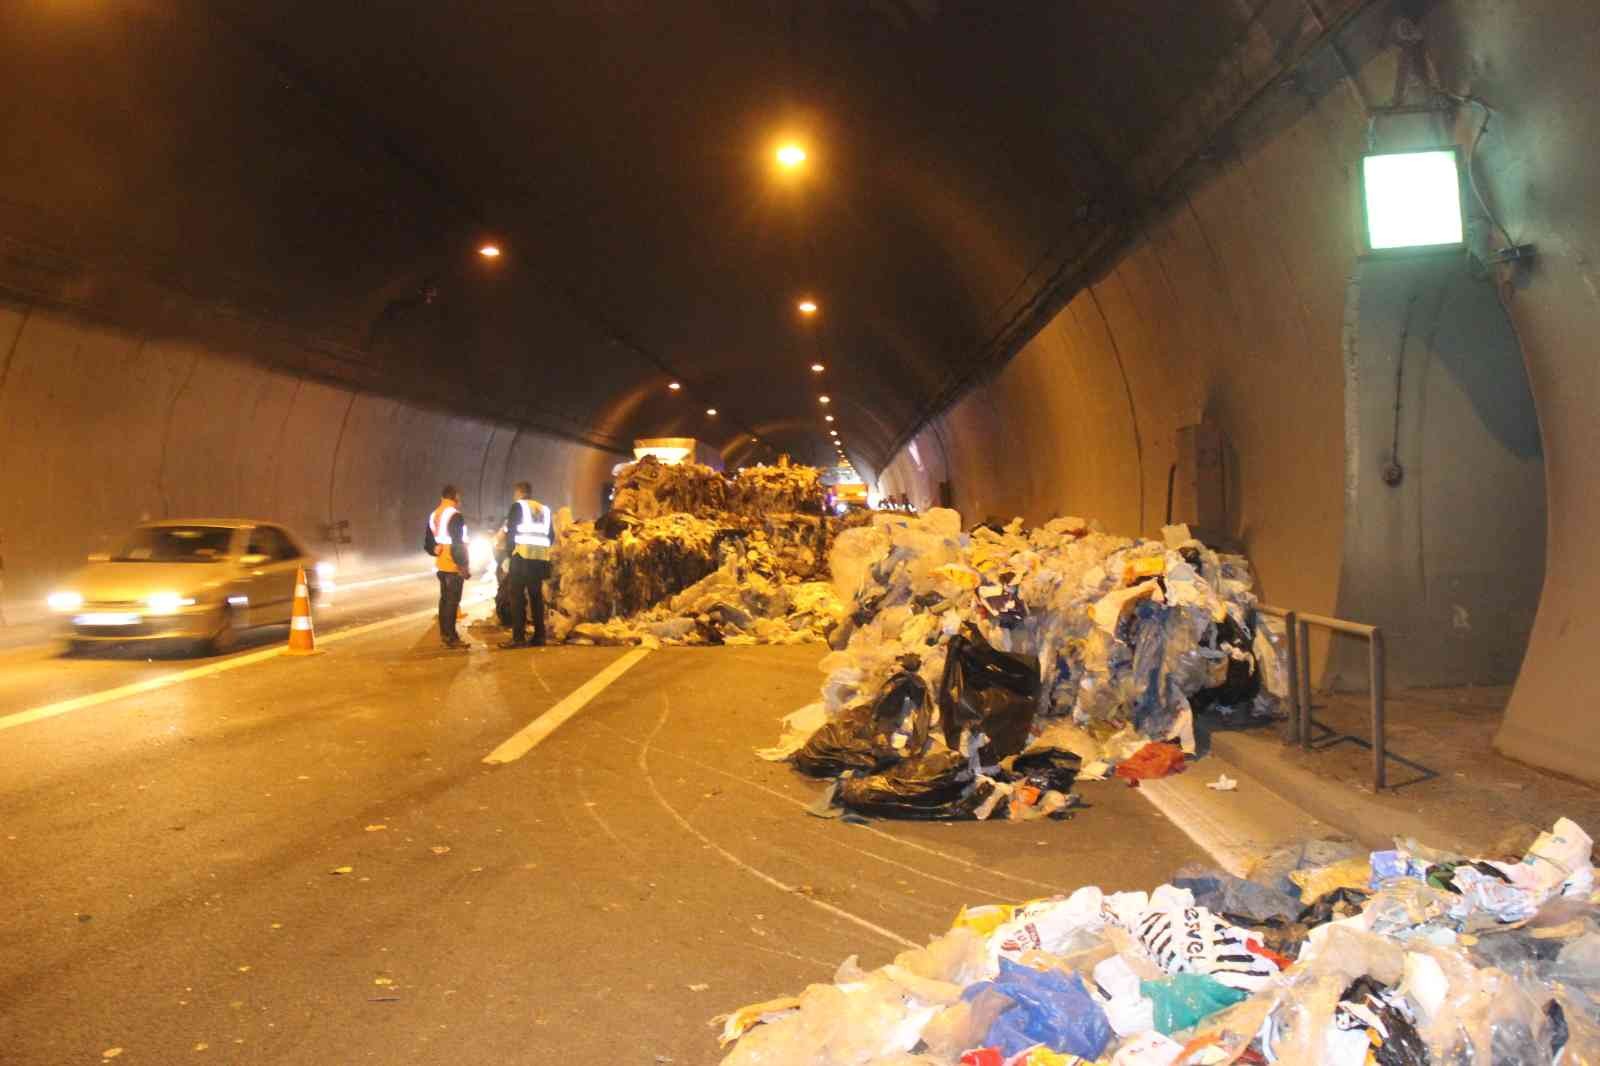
(101, 428)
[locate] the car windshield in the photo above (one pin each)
(175, 544)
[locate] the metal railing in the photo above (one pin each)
(1297, 627)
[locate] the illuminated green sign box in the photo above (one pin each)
(1412, 201)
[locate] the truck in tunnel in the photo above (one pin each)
(1065, 509)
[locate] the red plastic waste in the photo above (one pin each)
(1155, 759)
(983, 1056)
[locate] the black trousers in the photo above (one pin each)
(449, 603)
(527, 593)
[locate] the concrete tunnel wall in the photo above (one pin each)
(1234, 305)
(101, 428)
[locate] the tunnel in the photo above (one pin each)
(242, 275)
(313, 261)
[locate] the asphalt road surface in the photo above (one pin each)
(306, 860)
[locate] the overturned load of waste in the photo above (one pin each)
(687, 555)
(650, 487)
(1405, 957)
(981, 673)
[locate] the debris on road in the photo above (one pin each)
(980, 674)
(687, 555)
(1425, 969)
(340, 871)
(1223, 783)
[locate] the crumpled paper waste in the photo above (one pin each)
(688, 555)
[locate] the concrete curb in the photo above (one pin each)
(1372, 822)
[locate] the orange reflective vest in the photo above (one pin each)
(439, 526)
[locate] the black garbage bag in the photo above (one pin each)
(1331, 906)
(1387, 1019)
(938, 785)
(1048, 768)
(1243, 680)
(894, 726)
(902, 716)
(987, 691)
(842, 744)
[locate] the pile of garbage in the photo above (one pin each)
(650, 488)
(687, 555)
(1403, 957)
(982, 673)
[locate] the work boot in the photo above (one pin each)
(513, 643)
(456, 645)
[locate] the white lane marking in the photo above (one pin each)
(765, 878)
(531, 735)
(1214, 835)
(346, 586)
(94, 699)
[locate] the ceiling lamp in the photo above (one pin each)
(817, 368)
(824, 399)
(674, 386)
(791, 156)
(489, 251)
(808, 307)
(711, 411)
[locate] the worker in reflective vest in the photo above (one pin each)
(532, 534)
(446, 541)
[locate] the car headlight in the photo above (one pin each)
(326, 570)
(64, 601)
(168, 602)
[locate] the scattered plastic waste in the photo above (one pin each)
(1051, 655)
(1223, 783)
(1151, 761)
(1410, 974)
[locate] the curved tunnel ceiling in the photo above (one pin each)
(621, 155)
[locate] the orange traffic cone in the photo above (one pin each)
(302, 640)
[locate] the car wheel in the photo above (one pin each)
(226, 638)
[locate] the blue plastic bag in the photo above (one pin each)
(1053, 1008)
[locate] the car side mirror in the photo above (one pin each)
(252, 560)
(100, 557)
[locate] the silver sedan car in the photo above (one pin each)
(203, 580)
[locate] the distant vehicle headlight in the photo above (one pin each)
(326, 570)
(480, 552)
(168, 602)
(64, 601)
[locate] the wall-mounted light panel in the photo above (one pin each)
(1412, 200)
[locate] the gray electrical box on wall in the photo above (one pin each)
(1199, 497)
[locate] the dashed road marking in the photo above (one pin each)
(534, 733)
